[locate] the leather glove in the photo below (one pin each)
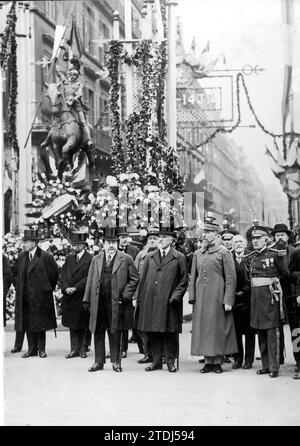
(86, 306)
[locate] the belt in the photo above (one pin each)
(275, 289)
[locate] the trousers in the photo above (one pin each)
(36, 341)
(269, 346)
(163, 344)
(78, 340)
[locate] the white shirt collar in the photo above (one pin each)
(165, 250)
(32, 253)
(80, 254)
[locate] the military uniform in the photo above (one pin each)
(263, 269)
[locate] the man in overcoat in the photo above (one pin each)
(36, 275)
(73, 281)
(7, 281)
(264, 267)
(212, 293)
(241, 309)
(111, 283)
(162, 286)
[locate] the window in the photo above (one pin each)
(50, 9)
(88, 30)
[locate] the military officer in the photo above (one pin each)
(263, 269)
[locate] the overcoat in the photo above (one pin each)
(241, 309)
(74, 274)
(42, 276)
(7, 281)
(160, 283)
(212, 284)
(124, 281)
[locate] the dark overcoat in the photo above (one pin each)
(74, 274)
(241, 309)
(7, 281)
(124, 280)
(212, 284)
(42, 276)
(160, 283)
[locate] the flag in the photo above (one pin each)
(74, 41)
(288, 21)
(59, 30)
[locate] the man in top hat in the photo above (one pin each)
(73, 281)
(162, 286)
(151, 245)
(133, 251)
(212, 293)
(111, 283)
(36, 275)
(290, 285)
(263, 268)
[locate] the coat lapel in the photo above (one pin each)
(76, 265)
(35, 260)
(99, 260)
(168, 258)
(156, 257)
(118, 260)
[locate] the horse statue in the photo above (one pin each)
(66, 136)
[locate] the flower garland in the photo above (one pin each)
(8, 62)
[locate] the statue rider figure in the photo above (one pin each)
(74, 95)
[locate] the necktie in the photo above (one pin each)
(163, 254)
(77, 258)
(30, 257)
(108, 260)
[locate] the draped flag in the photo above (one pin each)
(287, 99)
(59, 32)
(74, 41)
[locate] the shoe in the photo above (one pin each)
(108, 355)
(153, 367)
(124, 355)
(95, 367)
(42, 355)
(218, 368)
(29, 354)
(15, 350)
(237, 365)
(202, 361)
(145, 360)
(83, 355)
(132, 340)
(297, 373)
(172, 368)
(273, 374)
(247, 365)
(117, 367)
(72, 354)
(262, 371)
(207, 368)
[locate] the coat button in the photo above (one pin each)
(156, 282)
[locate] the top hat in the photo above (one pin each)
(78, 237)
(166, 230)
(110, 233)
(122, 231)
(31, 235)
(281, 227)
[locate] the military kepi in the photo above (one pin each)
(209, 224)
(259, 231)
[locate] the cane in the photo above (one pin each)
(121, 333)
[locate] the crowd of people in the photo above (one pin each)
(237, 287)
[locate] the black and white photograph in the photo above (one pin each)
(150, 202)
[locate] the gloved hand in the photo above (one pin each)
(86, 306)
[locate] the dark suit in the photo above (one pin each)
(7, 281)
(241, 314)
(109, 292)
(35, 282)
(74, 274)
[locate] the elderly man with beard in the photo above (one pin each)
(162, 286)
(111, 283)
(290, 286)
(264, 266)
(241, 309)
(212, 293)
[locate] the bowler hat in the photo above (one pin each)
(281, 227)
(31, 235)
(78, 237)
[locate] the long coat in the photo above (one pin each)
(7, 281)
(42, 276)
(212, 284)
(74, 274)
(241, 309)
(159, 283)
(124, 281)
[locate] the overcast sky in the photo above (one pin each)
(248, 32)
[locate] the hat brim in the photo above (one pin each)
(287, 231)
(113, 239)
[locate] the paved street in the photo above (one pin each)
(56, 391)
